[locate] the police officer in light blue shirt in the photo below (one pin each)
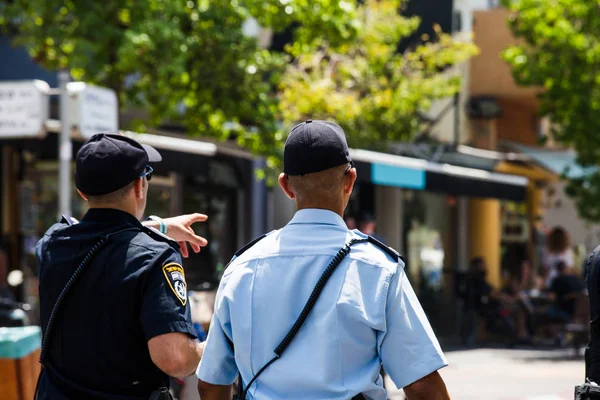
(365, 317)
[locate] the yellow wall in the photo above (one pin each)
(484, 236)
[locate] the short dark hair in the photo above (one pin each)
(558, 240)
(320, 185)
(115, 196)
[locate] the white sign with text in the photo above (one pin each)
(23, 108)
(92, 109)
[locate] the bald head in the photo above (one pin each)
(328, 189)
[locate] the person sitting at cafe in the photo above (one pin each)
(563, 292)
(496, 306)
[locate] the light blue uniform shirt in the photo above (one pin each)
(366, 316)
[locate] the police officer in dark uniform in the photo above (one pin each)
(591, 389)
(115, 316)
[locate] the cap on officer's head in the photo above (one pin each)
(107, 162)
(315, 146)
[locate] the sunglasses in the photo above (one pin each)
(350, 166)
(147, 173)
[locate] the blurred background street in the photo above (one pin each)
(503, 374)
(473, 125)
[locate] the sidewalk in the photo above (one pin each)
(502, 374)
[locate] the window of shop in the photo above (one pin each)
(42, 177)
(431, 248)
(515, 239)
(38, 205)
(216, 196)
(162, 197)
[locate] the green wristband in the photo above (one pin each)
(162, 227)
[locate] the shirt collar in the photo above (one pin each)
(318, 216)
(110, 215)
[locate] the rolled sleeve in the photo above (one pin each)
(163, 309)
(409, 349)
(218, 365)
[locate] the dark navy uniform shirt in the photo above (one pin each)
(133, 290)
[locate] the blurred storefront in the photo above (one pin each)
(221, 185)
(439, 216)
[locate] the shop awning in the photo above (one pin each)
(419, 174)
(556, 161)
(198, 160)
(174, 143)
(160, 142)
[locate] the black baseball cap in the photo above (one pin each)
(315, 146)
(108, 162)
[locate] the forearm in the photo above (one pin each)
(176, 354)
(431, 387)
(429, 395)
(150, 224)
(194, 352)
(208, 391)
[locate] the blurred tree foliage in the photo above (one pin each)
(190, 63)
(560, 54)
(373, 91)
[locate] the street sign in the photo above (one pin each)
(23, 108)
(92, 109)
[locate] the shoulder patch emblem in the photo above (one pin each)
(176, 279)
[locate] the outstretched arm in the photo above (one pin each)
(180, 229)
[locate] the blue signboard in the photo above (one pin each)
(391, 175)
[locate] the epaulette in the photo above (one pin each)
(249, 245)
(68, 220)
(245, 248)
(158, 236)
(391, 252)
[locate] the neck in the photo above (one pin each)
(128, 208)
(338, 209)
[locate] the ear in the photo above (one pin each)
(138, 188)
(350, 178)
(83, 196)
(285, 186)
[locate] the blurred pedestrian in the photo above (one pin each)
(498, 308)
(366, 316)
(558, 250)
(563, 290)
(113, 297)
(368, 225)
